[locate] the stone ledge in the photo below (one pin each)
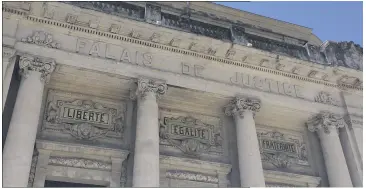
(79, 148)
(291, 178)
(195, 165)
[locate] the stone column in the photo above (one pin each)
(146, 156)
(326, 125)
(8, 67)
(19, 144)
(250, 163)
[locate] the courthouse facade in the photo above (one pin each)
(175, 94)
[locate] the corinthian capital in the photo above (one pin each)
(145, 85)
(239, 105)
(29, 63)
(325, 121)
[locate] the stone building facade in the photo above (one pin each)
(163, 94)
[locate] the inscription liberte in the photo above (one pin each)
(189, 131)
(85, 115)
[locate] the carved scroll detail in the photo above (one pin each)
(80, 163)
(184, 175)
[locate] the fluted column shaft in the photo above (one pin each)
(8, 67)
(19, 144)
(326, 125)
(146, 157)
(250, 164)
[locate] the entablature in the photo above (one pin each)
(237, 55)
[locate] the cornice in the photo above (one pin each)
(213, 58)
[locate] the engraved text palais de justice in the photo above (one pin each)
(124, 54)
(114, 52)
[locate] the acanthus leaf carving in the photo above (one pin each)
(325, 121)
(29, 63)
(84, 131)
(325, 98)
(42, 38)
(239, 105)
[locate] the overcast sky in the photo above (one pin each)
(332, 20)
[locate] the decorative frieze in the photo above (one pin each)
(29, 63)
(80, 163)
(194, 26)
(192, 176)
(42, 38)
(83, 119)
(121, 9)
(240, 104)
(277, 47)
(282, 150)
(325, 121)
(145, 85)
(190, 135)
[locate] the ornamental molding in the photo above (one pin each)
(43, 65)
(80, 163)
(82, 118)
(282, 150)
(190, 135)
(325, 98)
(41, 38)
(123, 179)
(145, 85)
(240, 104)
(108, 34)
(192, 176)
(32, 172)
(325, 121)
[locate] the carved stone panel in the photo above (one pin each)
(282, 150)
(83, 117)
(190, 135)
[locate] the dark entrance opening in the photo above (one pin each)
(56, 184)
